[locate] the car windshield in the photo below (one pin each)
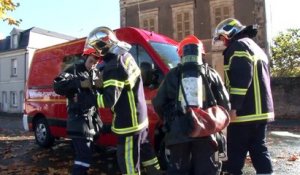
(167, 52)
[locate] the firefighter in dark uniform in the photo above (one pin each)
(188, 155)
(248, 81)
(83, 123)
(123, 93)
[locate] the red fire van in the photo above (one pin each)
(45, 111)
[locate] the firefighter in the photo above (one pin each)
(188, 155)
(248, 81)
(83, 123)
(123, 93)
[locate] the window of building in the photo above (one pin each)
(183, 20)
(148, 19)
(221, 13)
(13, 99)
(14, 65)
(21, 100)
(220, 10)
(3, 104)
(14, 41)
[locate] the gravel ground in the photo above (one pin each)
(16, 145)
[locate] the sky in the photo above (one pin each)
(71, 17)
(77, 18)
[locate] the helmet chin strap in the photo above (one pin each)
(104, 51)
(224, 40)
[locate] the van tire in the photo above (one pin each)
(42, 133)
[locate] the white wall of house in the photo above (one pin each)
(12, 86)
(40, 41)
(12, 82)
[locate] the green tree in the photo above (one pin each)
(286, 54)
(6, 6)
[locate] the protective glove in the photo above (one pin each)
(86, 84)
(98, 83)
(98, 80)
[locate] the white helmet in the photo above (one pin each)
(228, 28)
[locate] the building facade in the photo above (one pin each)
(16, 52)
(179, 18)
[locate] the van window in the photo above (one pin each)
(70, 60)
(141, 56)
(167, 52)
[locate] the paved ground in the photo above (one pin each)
(19, 155)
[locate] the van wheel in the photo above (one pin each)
(42, 133)
(163, 155)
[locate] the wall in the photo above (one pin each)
(286, 93)
(24, 56)
(40, 40)
(10, 84)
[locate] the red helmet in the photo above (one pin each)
(190, 40)
(89, 51)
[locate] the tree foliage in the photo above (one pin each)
(286, 54)
(6, 6)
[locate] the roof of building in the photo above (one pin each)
(24, 37)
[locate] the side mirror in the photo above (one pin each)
(147, 73)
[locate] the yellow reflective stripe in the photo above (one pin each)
(227, 81)
(240, 54)
(150, 162)
(226, 67)
(131, 80)
(130, 129)
(132, 108)
(254, 117)
(113, 83)
(100, 101)
(127, 61)
(129, 155)
(238, 91)
(257, 94)
(114, 117)
(157, 166)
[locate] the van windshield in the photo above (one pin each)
(167, 52)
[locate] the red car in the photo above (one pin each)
(45, 111)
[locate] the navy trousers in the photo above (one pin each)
(83, 156)
(193, 158)
(133, 150)
(244, 138)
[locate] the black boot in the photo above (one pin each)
(79, 170)
(153, 170)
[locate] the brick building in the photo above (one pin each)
(178, 18)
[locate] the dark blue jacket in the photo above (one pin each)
(83, 119)
(167, 96)
(123, 93)
(248, 81)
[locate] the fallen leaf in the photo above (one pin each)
(293, 157)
